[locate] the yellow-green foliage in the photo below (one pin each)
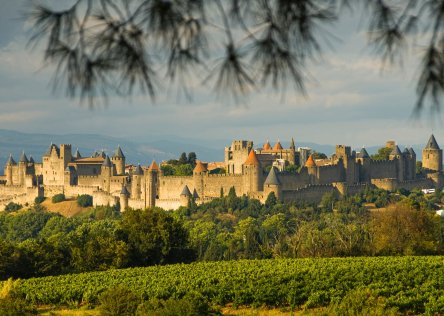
(408, 284)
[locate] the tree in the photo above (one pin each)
(383, 153)
(183, 159)
(100, 46)
(192, 158)
(154, 237)
(317, 155)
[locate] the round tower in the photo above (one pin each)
(118, 159)
(106, 173)
(310, 164)
(252, 174)
(199, 172)
(432, 156)
(363, 159)
(23, 164)
(397, 155)
(123, 198)
(151, 184)
(136, 183)
(8, 169)
(272, 184)
(185, 196)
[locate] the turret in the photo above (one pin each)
(277, 146)
(151, 184)
(106, 173)
(118, 160)
(272, 184)
(412, 156)
(23, 164)
(136, 183)
(185, 196)
(70, 175)
(252, 174)
(310, 164)
(8, 169)
(199, 172)
(124, 194)
(363, 159)
(267, 146)
(432, 156)
(400, 163)
(77, 155)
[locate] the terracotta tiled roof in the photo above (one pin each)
(277, 146)
(267, 146)
(310, 162)
(252, 159)
(153, 166)
(215, 165)
(200, 167)
(89, 160)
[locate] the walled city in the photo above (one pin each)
(252, 172)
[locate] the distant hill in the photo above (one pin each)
(136, 152)
(139, 150)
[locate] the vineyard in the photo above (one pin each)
(409, 284)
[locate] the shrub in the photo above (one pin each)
(85, 200)
(39, 199)
(58, 198)
(190, 305)
(118, 301)
(10, 302)
(12, 207)
(361, 301)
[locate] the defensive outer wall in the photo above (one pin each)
(251, 172)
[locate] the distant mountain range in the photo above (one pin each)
(136, 151)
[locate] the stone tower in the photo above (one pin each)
(8, 169)
(412, 166)
(65, 154)
(118, 159)
(272, 184)
(236, 155)
(151, 179)
(310, 164)
(123, 198)
(136, 183)
(23, 164)
(398, 156)
(185, 196)
(252, 174)
(363, 159)
(432, 156)
(199, 172)
(106, 172)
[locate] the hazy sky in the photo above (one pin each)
(349, 101)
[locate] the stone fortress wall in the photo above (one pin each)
(106, 179)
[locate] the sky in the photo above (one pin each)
(350, 100)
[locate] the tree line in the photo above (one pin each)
(38, 243)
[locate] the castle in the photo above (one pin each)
(252, 172)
